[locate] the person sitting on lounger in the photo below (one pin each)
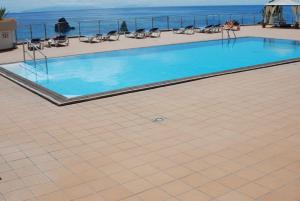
(228, 25)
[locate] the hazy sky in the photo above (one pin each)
(20, 5)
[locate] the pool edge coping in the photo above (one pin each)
(59, 100)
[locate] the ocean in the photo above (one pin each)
(41, 24)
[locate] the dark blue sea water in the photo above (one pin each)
(42, 23)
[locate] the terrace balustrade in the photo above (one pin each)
(92, 27)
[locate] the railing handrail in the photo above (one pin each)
(165, 22)
(34, 50)
(143, 17)
(37, 49)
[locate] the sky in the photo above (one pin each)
(22, 5)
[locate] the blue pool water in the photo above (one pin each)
(87, 74)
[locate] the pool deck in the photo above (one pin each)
(228, 138)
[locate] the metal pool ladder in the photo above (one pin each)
(228, 33)
(35, 50)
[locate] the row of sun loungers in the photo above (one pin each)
(37, 43)
(189, 30)
(110, 36)
(141, 33)
(114, 35)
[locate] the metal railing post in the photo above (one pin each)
(194, 21)
(168, 22)
(219, 19)
(152, 25)
(45, 31)
(46, 63)
(254, 19)
(24, 56)
(181, 21)
(79, 29)
(242, 20)
(16, 35)
(206, 20)
(99, 26)
(135, 24)
(34, 58)
(30, 30)
(118, 24)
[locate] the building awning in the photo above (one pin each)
(283, 3)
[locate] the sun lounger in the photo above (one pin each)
(35, 43)
(154, 33)
(92, 38)
(208, 29)
(59, 40)
(139, 33)
(111, 36)
(187, 30)
(217, 28)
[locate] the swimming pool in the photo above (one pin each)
(76, 78)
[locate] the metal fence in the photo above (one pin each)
(91, 27)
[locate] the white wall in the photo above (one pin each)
(7, 40)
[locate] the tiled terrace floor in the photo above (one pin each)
(229, 138)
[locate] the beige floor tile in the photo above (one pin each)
(194, 195)
(93, 197)
(57, 195)
(14, 156)
(195, 180)
(178, 172)
(233, 181)
(137, 186)
(214, 173)
(159, 178)
(35, 179)
(289, 192)
(253, 190)
(144, 170)
(116, 193)
(234, 196)
(19, 195)
(197, 165)
(176, 188)
(133, 198)
(163, 164)
(111, 168)
(11, 185)
(102, 184)
(7, 176)
(214, 189)
(43, 189)
(124, 176)
(250, 173)
(154, 194)
(78, 191)
(270, 182)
